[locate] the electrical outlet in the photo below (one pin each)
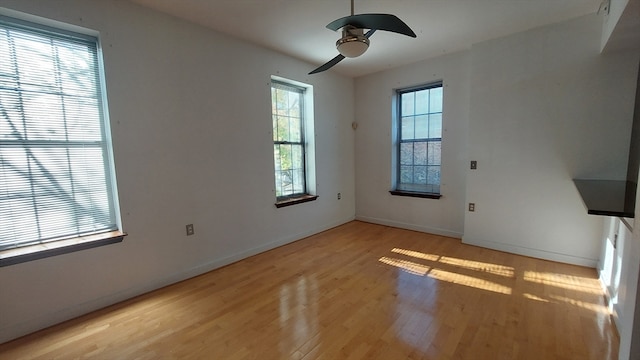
(474, 164)
(472, 207)
(190, 230)
(339, 196)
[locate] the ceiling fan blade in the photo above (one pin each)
(369, 33)
(385, 22)
(328, 64)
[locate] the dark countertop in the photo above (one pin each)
(608, 197)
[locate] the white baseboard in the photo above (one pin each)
(401, 225)
(615, 314)
(615, 308)
(40, 322)
(535, 253)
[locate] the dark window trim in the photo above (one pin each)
(433, 85)
(40, 251)
(295, 200)
(399, 92)
(415, 194)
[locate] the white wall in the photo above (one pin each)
(191, 126)
(611, 19)
(546, 108)
(626, 304)
(374, 94)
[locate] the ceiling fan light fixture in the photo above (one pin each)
(352, 46)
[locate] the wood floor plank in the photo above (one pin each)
(359, 291)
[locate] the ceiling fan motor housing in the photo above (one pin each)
(353, 43)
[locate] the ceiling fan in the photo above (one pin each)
(354, 41)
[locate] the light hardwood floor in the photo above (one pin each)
(359, 291)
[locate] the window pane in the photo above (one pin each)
(406, 154)
(53, 222)
(279, 183)
(276, 158)
(294, 104)
(10, 120)
(286, 181)
(78, 72)
(83, 119)
(285, 157)
(280, 101)
(21, 229)
(43, 117)
(435, 126)
(50, 171)
(435, 100)
(295, 129)
(406, 174)
(274, 120)
(420, 153)
(408, 104)
(298, 181)
(419, 174)
(283, 128)
(422, 102)
(433, 175)
(296, 157)
(407, 131)
(434, 152)
(422, 127)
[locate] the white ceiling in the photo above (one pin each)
(297, 27)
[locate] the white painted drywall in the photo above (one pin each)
(611, 16)
(374, 149)
(191, 128)
(628, 288)
(546, 108)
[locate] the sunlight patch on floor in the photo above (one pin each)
(599, 308)
(534, 297)
(443, 275)
(416, 254)
(470, 281)
(495, 269)
(405, 265)
(566, 282)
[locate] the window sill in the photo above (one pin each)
(296, 200)
(54, 248)
(415, 194)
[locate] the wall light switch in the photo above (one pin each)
(474, 164)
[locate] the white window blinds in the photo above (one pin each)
(55, 169)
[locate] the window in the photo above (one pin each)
(419, 141)
(290, 145)
(56, 178)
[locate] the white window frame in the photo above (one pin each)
(66, 238)
(308, 138)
